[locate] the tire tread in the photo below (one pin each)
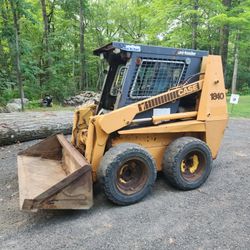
(171, 158)
(111, 157)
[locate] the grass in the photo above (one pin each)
(54, 108)
(242, 109)
(35, 106)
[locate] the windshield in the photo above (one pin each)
(118, 81)
(114, 79)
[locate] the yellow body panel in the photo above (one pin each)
(214, 133)
(155, 144)
(176, 127)
(207, 121)
(212, 105)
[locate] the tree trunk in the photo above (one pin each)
(224, 38)
(19, 127)
(236, 63)
(75, 74)
(45, 41)
(50, 17)
(82, 49)
(195, 25)
(14, 8)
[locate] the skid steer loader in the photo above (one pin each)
(161, 109)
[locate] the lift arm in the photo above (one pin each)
(122, 117)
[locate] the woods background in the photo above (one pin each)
(46, 45)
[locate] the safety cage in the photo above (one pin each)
(141, 71)
(156, 76)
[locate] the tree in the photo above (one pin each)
(195, 24)
(224, 36)
(55, 39)
(236, 64)
(82, 83)
(47, 19)
(16, 17)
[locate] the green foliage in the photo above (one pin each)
(33, 104)
(8, 94)
(244, 89)
(159, 22)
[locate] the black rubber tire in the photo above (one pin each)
(174, 156)
(111, 164)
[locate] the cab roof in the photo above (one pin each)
(149, 49)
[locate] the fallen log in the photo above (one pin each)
(19, 127)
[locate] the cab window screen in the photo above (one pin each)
(154, 77)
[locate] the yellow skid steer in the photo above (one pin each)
(161, 109)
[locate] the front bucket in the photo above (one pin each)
(54, 175)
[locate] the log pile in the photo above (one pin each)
(19, 127)
(82, 99)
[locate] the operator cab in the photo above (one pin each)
(137, 72)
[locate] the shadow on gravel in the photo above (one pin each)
(45, 218)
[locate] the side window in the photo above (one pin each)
(118, 81)
(155, 76)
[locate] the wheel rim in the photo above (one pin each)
(193, 166)
(131, 177)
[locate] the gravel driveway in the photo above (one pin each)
(215, 216)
